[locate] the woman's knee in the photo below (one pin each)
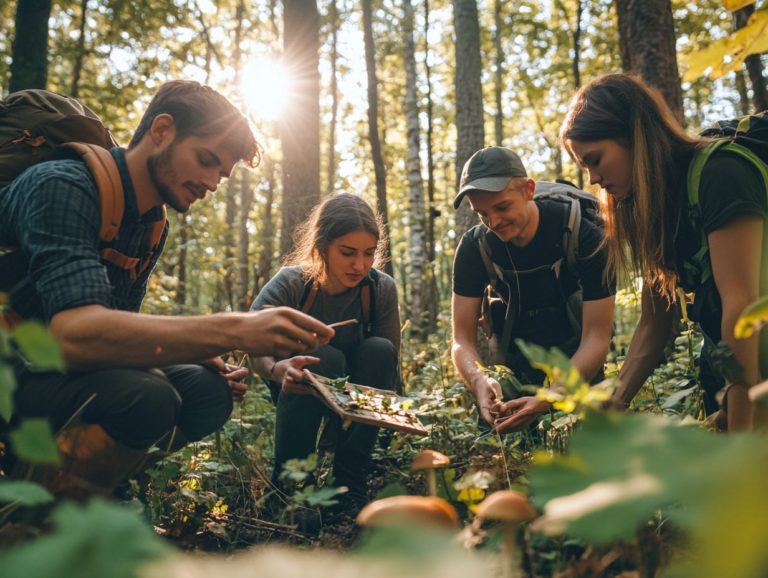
(332, 363)
(376, 363)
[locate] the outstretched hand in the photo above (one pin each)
(518, 414)
(488, 395)
(283, 332)
(290, 372)
(233, 374)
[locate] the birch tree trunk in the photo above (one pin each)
(300, 127)
(432, 210)
(373, 120)
(647, 43)
(470, 133)
(498, 73)
(416, 212)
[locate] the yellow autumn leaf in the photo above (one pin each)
(568, 405)
(733, 5)
(752, 319)
(470, 495)
(727, 54)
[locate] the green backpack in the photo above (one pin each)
(747, 137)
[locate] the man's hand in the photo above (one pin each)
(488, 394)
(518, 414)
(283, 332)
(233, 374)
(290, 372)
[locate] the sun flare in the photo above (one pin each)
(265, 87)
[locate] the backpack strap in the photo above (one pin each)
(104, 170)
(571, 233)
(311, 289)
(367, 299)
(699, 266)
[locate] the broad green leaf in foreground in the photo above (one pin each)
(38, 346)
(33, 441)
(23, 493)
(621, 468)
(93, 542)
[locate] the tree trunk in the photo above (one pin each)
(741, 87)
(373, 120)
(433, 301)
(753, 63)
(470, 133)
(647, 41)
(77, 69)
(575, 33)
(498, 75)
(181, 265)
(416, 213)
(334, 22)
(242, 297)
(300, 128)
(264, 268)
(29, 65)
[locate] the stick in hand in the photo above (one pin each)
(343, 323)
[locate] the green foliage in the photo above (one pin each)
(602, 491)
(92, 542)
(33, 441)
(38, 346)
(23, 493)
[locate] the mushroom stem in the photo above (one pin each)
(431, 483)
(512, 561)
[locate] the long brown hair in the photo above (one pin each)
(334, 217)
(621, 107)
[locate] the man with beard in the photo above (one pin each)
(132, 380)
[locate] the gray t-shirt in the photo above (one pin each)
(287, 287)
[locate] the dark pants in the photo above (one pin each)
(137, 407)
(373, 363)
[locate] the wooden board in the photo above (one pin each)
(343, 403)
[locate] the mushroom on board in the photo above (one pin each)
(511, 509)
(429, 461)
(400, 510)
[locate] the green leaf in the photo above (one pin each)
(38, 346)
(622, 468)
(99, 540)
(7, 387)
(23, 493)
(33, 441)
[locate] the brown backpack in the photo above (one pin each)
(38, 126)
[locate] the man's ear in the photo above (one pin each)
(163, 129)
(530, 189)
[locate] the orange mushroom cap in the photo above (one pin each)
(400, 510)
(506, 506)
(428, 460)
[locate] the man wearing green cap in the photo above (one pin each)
(538, 287)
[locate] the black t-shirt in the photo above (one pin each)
(470, 277)
(731, 187)
(541, 315)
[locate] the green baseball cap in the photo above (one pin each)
(489, 169)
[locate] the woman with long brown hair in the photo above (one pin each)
(626, 137)
(332, 275)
